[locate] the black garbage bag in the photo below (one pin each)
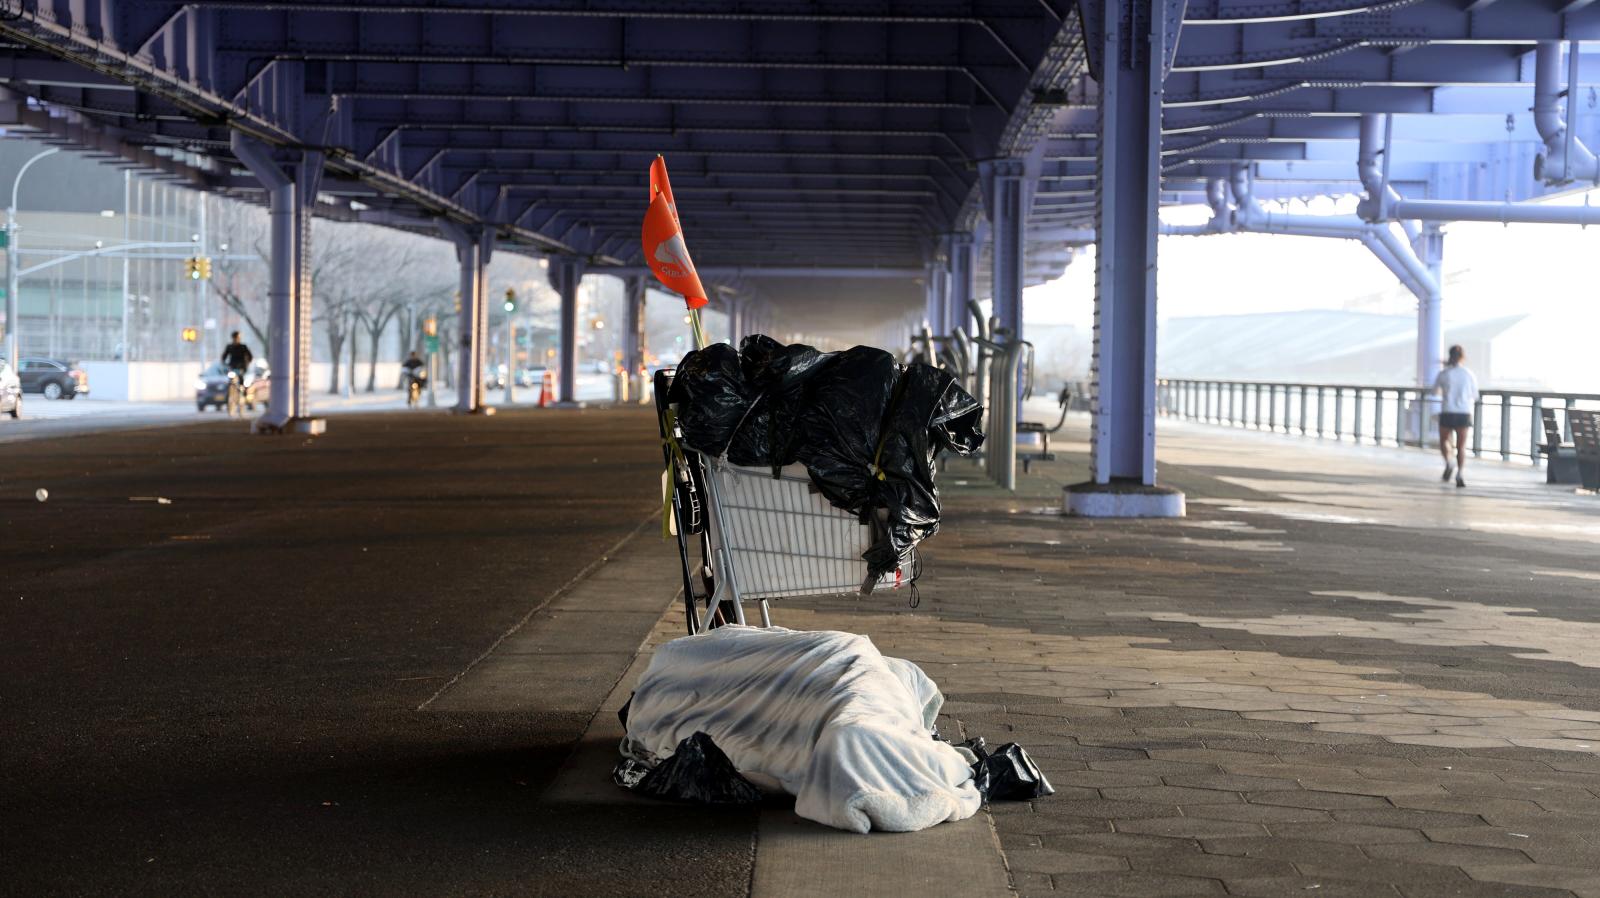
(928, 413)
(712, 397)
(867, 429)
(697, 771)
(779, 376)
(1007, 773)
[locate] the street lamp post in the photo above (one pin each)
(13, 317)
(511, 346)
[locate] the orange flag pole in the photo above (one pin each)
(664, 249)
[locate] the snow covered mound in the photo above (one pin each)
(844, 729)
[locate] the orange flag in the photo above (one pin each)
(664, 249)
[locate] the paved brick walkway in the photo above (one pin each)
(1336, 677)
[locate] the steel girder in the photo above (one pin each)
(795, 129)
(864, 119)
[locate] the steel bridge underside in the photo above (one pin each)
(858, 167)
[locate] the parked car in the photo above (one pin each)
(211, 387)
(530, 377)
(10, 390)
(54, 378)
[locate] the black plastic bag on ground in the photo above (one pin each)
(1007, 773)
(698, 771)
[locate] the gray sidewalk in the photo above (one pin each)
(1337, 676)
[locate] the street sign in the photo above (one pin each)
(430, 342)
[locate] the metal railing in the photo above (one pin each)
(1505, 422)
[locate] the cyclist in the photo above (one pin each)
(416, 375)
(236, 357)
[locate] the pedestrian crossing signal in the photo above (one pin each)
(191, 334)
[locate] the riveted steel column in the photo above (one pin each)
(959, 286)
(473, 248)
(1006, 201)
(633, 335)
(1133, 41)
(291, 192)
(566, 273)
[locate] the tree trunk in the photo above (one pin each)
(375, 338)
(406, 325)
(335, 347)
(350, 383)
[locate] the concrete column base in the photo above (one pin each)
(308, 426)
(480, 410)
(1122, 500)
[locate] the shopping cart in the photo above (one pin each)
(752, 534)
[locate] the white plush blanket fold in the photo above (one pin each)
(844, 729)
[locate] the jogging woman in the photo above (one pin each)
(1460, 391)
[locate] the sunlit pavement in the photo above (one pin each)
(1337, 676)
(42, 417)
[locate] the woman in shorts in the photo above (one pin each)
(1460, 391)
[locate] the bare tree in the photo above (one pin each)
(239, 270)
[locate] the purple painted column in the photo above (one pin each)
(566, 273)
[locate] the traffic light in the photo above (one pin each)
(190, 334)
(430, 326)
(205, 268)
(197, 268)
(511, 300)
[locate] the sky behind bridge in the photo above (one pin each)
(1549, 272)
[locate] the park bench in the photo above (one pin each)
(1561, 458)
(1586, 440)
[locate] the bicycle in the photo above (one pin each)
(236, 400)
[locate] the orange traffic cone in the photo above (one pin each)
(547, 389)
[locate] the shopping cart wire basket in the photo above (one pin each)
(752, 534)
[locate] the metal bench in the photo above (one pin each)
(1044, 453)
(1586, 441)
(1561, 458)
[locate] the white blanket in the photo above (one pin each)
(844, 729)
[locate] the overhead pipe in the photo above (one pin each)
(1221, 215)
(1379, 203)
(1565, 158)
(1383, 203)
(1390, 248)
(1500, 213)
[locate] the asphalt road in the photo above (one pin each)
(217, 695)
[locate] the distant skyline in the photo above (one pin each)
(1548, 272)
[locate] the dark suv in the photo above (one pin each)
(54, 378)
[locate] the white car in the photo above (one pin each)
(10, 390)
